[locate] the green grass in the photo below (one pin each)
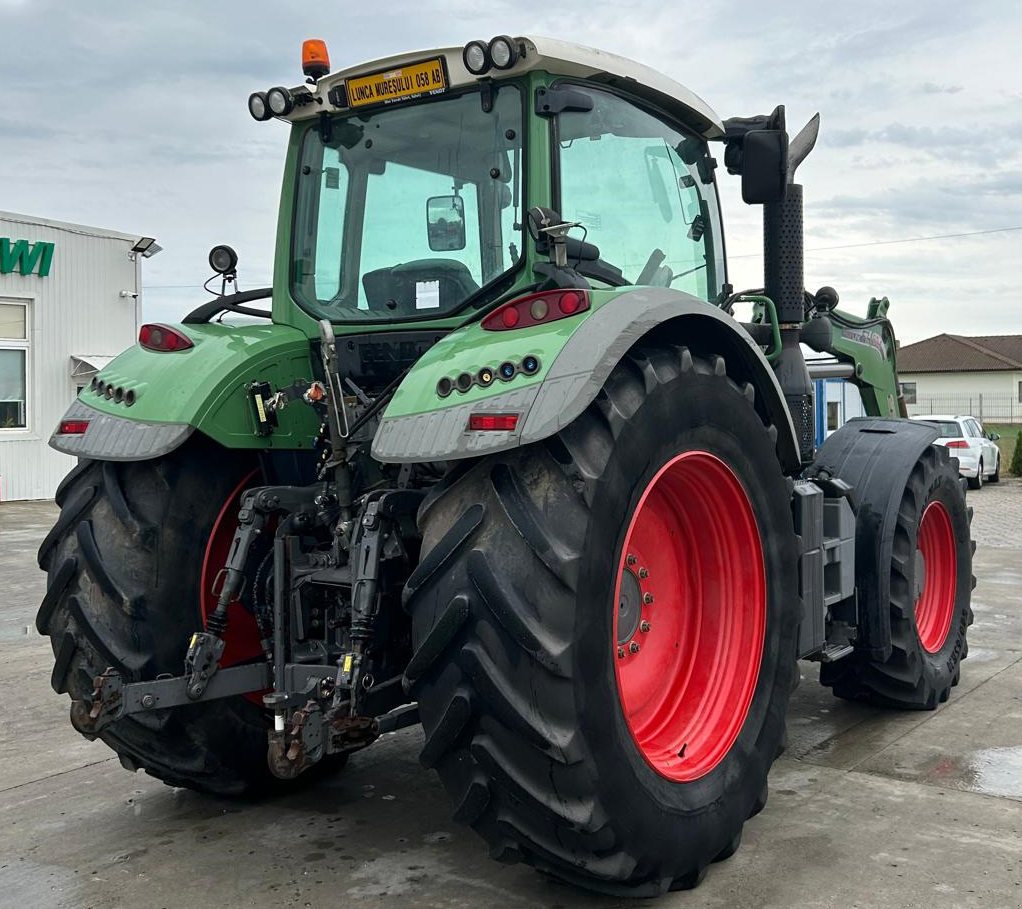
(1008, 434)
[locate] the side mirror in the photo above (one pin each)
(994, 437)
(445, 223)
(764, 166)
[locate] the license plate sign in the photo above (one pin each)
(413, 80)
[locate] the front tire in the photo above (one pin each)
(546, 749)
(931, 593)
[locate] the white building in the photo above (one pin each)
(979, 376)
(68, 305)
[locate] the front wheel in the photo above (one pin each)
(605, 631)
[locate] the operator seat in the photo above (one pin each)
(397, 285)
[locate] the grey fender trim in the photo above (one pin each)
(111, 438)
(572, 382)
(592, 352)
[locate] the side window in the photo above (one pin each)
(644, 192)
(973, 429)
(908, 389)
(333, 205)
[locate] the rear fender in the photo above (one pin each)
(199, 389)
(577, 356)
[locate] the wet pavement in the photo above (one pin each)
(868, 808)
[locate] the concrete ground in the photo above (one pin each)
(867, 808)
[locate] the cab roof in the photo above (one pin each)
(561, 58)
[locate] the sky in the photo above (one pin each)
(133, 117)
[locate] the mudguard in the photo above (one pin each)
(203, 388)
(576, 356)
(875, 457)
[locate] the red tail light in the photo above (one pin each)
(73, 427)
(958, 443)
(163, 338)
(537, 309)
(498, 422)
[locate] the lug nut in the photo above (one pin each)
(644, 626)
(620, 653)
(647, 598)
(643, 572)
(633, 647)
(631, 560)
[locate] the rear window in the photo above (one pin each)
(948, 429)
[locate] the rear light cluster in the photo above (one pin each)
(116, 393)
(537, 309)
(958, 443)
(163, 338)
(73, 427)
(486, 376)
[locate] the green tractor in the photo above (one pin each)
(499, 458)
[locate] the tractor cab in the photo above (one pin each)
(409, 180)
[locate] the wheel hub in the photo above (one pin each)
(629, 608)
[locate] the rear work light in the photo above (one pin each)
(958, 443)
(493, 422)
(537, 309)
(73, 427)
(163, 338)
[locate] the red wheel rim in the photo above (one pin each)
(936, 604)
(690, 616)
(241, 640)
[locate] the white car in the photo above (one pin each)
(979, 458)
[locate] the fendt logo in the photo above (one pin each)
(26, 257)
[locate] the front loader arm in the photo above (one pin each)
(866, 345)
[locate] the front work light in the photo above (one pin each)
(476, 58)
(315, 59)
(503, 53)
(258, 107)
(280, 101)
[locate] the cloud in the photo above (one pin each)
(136, 120)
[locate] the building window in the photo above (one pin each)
(908, 389)
(13, 365)
(833, 415)
(1020, 392)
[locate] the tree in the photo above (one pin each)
(1016, 457)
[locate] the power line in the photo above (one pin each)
(973, 233)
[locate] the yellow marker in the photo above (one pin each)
(347, 663)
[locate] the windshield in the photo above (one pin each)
(409, 211)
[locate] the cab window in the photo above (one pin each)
(643, 191)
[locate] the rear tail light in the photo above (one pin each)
(493, 422)
(73, 427)
(537, 309)
(163, 338)
(958, 443)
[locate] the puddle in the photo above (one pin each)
(998, 771)
(992, 771)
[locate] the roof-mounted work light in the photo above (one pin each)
(280, 101)
(476, 57)
(503, 52)
(258, 106)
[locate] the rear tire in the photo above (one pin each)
(124, 562)
(931, 592)
(516, 661)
